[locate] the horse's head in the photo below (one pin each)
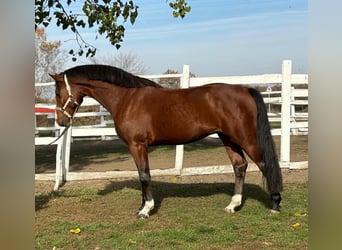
(67, 100)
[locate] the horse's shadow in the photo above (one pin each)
(163, 190)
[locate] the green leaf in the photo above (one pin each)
(106, 15)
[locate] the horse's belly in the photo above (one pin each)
(181, 133)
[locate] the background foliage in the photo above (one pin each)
(109, 16)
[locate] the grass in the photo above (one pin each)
(274, 125)
(46, 133)
(187, 216)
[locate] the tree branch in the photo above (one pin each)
(106, 14)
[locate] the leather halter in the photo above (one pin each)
(69, 100)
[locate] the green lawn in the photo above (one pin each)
(187, 216)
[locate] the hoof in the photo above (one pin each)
(229, 210)
(273, 211)
(142, 216)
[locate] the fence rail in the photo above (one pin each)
(292, 122)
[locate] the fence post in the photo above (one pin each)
(59, 157)
(184, 83)
(293, 112)
(66, 154)
(102, 121)
(62, 157)
(185, 80)
(285, 113)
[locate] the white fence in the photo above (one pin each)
(292, 122)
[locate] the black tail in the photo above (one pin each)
(272, 171)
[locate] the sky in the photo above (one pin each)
(217, 38)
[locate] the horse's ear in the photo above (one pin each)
(56, 77)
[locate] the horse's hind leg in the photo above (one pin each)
(139, 153)
(272, 175)
(239, 163)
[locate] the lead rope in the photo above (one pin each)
(66, 128)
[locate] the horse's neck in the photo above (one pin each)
(107, 95)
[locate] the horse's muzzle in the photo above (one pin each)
(63, 122)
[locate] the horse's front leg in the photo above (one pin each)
(139, 153)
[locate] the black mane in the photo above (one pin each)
(111, 75)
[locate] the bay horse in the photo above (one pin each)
(146, 114)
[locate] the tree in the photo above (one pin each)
(108, 15)
(126, 61)
(172, 82)
(49, 58)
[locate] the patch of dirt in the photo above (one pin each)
(113, 155)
